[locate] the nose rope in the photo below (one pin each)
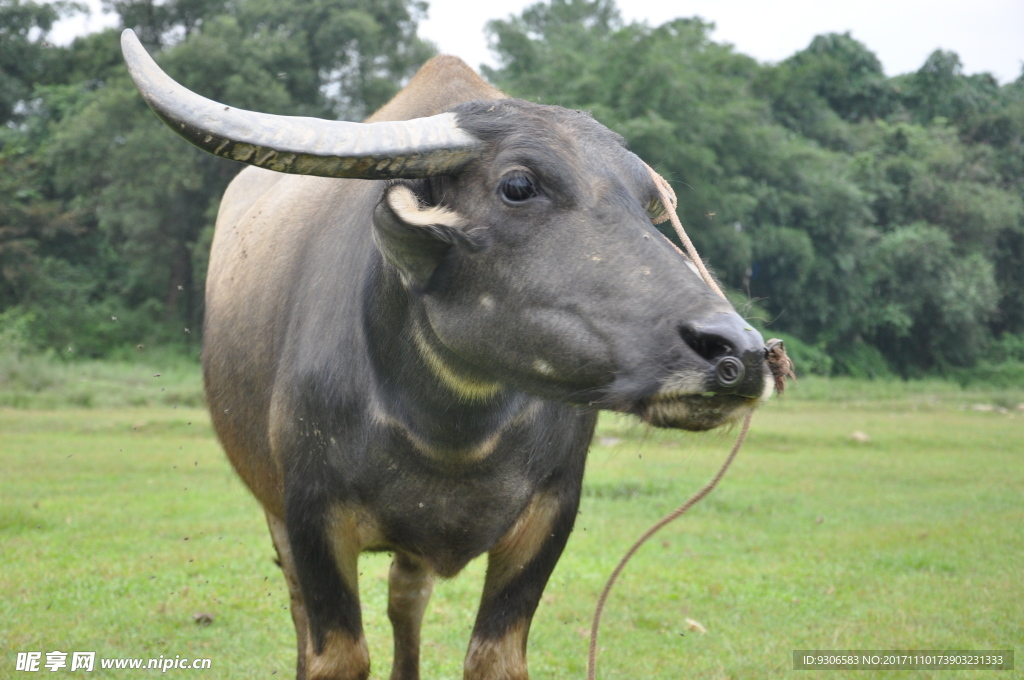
(781, 368)
(775, 351)
(669, 203)
(657, 526)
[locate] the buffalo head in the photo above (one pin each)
(523, 238)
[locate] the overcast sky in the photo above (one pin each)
(987, 34)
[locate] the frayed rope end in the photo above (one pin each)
(779, 363)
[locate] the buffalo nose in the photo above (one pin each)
(733, 348)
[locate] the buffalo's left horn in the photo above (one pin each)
(303, 146)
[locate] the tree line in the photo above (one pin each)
(876, 223)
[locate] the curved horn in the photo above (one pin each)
(303, 146)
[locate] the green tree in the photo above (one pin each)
(940, 89)
(836, 79)
(26, 58)
(929, 300)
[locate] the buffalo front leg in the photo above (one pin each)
(287, 562)
(410, 583)
(518, 568)
(326, 543)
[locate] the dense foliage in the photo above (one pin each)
(105, 217)
(879, 220)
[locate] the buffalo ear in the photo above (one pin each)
(414, 238)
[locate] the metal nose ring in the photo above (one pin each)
(729, 371)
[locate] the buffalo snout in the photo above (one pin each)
(733, 349)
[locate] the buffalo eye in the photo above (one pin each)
(517, 187)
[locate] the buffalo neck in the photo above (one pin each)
(441, 404)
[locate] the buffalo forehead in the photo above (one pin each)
(544, 131)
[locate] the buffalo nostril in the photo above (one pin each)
(708, 346)
(729, 371)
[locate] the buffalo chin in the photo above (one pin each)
(695, 412)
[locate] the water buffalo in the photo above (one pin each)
(410, 329)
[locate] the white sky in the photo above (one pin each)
(987, 34)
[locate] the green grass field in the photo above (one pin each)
(119, 524)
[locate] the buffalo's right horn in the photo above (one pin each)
(303, 146)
